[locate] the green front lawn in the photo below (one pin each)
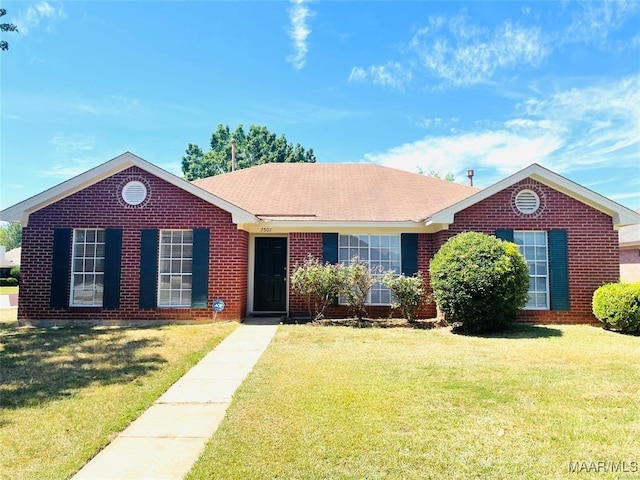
(64, 394)
(345, 403)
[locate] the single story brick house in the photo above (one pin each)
(629, 237)
(128, 241)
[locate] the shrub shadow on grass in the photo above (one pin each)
(516, 331)
(42, 364)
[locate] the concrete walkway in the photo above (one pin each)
(166, 440)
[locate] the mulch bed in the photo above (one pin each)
(424, 324)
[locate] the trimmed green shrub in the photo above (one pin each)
(617, 306)
(8, 282)
(409, 292)
(318, 284)
(479, 282)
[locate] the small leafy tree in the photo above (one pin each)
(409, 292)
(319, 284)
(617, 306)
(479, 281)
(357, 280)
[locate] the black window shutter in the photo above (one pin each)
(329, 248)
(60, 268)
(505, 234)
(200, 275)
(409, 252)
(558, 270)
(147, 295)
(112, 267)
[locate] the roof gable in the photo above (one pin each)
(620, 214)
(21, 211)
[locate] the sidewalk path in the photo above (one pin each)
(167, 439)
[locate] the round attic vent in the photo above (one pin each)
(527, 202)
(134, 192)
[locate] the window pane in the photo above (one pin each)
(175, 268)
(164, 297)
(375, 296)
(87, 269)
(186, 266)
(380, 252)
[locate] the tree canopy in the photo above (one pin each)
(6, 27)
(10, 235)
(255, 147)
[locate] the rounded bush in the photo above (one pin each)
(479, 282)
(15, 273)
(617, 306)
(8, 282)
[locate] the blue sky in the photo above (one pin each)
(444, 86)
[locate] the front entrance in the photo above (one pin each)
(270, 275)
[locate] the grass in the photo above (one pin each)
(344, 403)
(64, 394)
(8, 290)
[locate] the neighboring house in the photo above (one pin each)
(630, 253)
(129, 241)
(8, 260)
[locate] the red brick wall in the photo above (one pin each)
(99, 206)
(592, 242)
(592, 247)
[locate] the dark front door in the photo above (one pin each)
(270, 275)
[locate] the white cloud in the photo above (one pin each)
(357, 74)
(457, 52)
(299, 32)
(592, 22)
(592, 127)
(392, 74)
(502, 150)
(34, 14)
(72, 144)
(71, 152)
(467, 55)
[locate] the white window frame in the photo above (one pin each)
(538, 274)
(89, 254)
(175, 265)
(370, 248)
